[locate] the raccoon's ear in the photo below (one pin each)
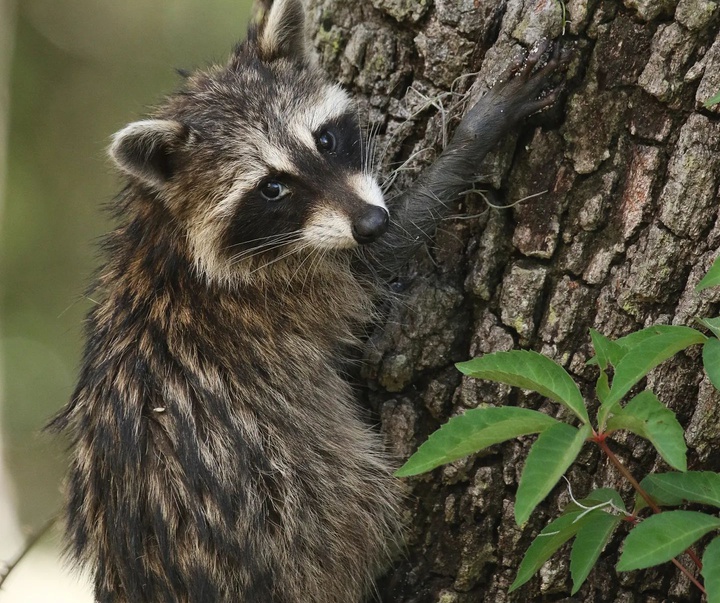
(282, 31)
(148, 149)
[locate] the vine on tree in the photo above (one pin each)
(592, 521)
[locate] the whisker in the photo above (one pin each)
(265, 247)
(403, 167)
(279, 235)
(314, 266)
(298, 268)
(363, 136)
(277, 259)
(371, 159)
(255, 253)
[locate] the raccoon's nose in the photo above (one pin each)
(371, 225)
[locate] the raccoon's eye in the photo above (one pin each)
(273, 190)
(326, 141)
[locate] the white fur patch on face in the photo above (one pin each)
(203, 239)
(332, 103)
(243, 183)
(277, 159)
(327, 228)
(367, 189)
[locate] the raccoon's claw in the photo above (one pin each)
(524, 64)
(558, 60)
(530, 67)
(534, 57)
(544, 102)
(525, 80)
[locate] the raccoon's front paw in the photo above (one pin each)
(528, 84)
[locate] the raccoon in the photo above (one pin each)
(218, 452)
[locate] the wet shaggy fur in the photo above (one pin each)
(218, 452)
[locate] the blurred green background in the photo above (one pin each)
(78, 71)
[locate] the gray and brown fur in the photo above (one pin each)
(219, 455)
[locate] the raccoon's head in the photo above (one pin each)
(258, 158)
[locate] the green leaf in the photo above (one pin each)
(711, 360)
(647, 417)
(711, 571)
(672, 489)
(603, 495)
(590, 540)
(606, 351)
(712, 101)
(549, 540)
(602, 391)
(554, 451)
(711, 323)
(629, 341)
(471, 432)
(712, 277)
(661, 537)
(529, 370)
(650, 351)
(574, 519)
(594, 534)
(632, 340)
(602, 387)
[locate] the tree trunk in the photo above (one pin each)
(626, 168)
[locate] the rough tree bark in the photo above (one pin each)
(629, 167)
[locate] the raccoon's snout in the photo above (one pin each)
(370, 225)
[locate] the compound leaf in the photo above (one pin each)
(473, 431)
(554, 451)
(661, 537)
(529, 370)
(647, 417)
